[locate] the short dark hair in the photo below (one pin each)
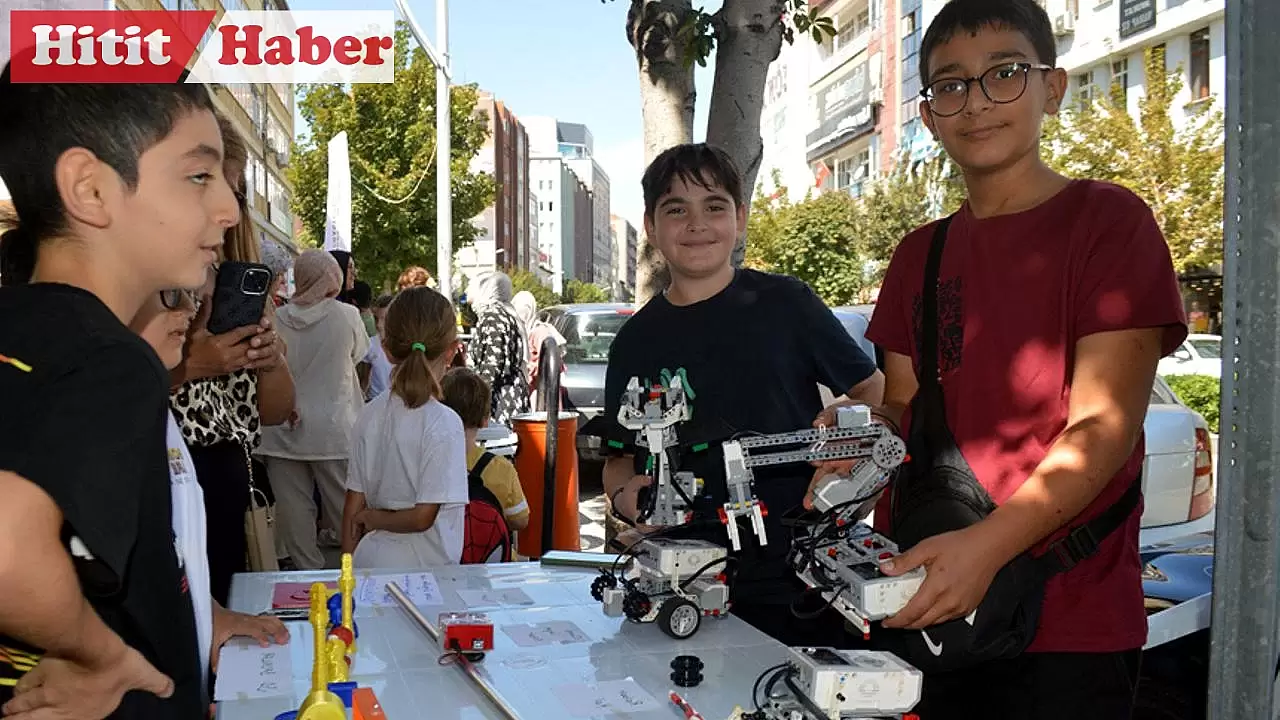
(972, 16)
(383, 301)
(467, 394)
(694, 163)
(361, 295)
(41, 121)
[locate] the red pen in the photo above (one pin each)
(689, 712)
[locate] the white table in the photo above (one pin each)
(399, 661)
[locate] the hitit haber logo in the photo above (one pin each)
(306, 46)
(122, 46)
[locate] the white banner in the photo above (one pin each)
(299, 46)
(337, 210)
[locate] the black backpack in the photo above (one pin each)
(937, 492)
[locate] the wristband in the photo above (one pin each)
(887, 421)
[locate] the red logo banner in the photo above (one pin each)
(104, 46)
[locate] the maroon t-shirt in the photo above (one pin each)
(1016, 292)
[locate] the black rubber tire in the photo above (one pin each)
(669, 608)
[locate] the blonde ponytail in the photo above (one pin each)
(419, 330)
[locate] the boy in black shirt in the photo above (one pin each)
(118, 194)
(752, 348)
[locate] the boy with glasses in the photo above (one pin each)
(1055, 300)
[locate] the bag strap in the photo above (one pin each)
(476, 474)
(1083, 541)
(930, 374)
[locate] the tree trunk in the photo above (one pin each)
(666, 97)
(748, 39)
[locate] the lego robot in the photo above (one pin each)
(853, 437)
(672, 582)
(829, 684)
(653, 414)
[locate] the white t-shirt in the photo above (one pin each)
(189, 538)
(379, 368)
(401, 458)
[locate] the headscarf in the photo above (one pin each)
(526, 306)
(488, 290)
(317, 277)
(344, 262)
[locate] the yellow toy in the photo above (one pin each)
(321, 703)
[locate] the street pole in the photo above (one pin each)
(1246, 578)
(444, 152)
(444, 198)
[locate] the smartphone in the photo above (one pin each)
(239, 296)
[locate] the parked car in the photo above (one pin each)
(1177, 583)
(588, 330)
(1198, 355)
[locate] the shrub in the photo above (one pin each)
(1201, 393)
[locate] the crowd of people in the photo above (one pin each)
(1020, 339)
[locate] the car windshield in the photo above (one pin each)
(1207, 348)
(589, 335)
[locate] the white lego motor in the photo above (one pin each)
(846, 684)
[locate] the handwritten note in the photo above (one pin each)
(548, 633)
(247, 671)
(505, 597)
(612, 697)
(421, 588)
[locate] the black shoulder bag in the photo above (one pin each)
(937, 492)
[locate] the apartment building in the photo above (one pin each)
(505, 225)
(831, 117)
(574, 143)
(565, 242)
(625, 242)
(1102, 45)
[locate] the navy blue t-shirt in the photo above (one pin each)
(753, 357)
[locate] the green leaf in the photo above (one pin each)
(391, 130)
(817, 34)
(1177, 169)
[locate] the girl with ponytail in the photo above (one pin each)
(407, 476)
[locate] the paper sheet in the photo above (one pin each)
(549, 633)
(620, 697)
(505, 597)
(247, 670)
(421, 588)
(294, 594)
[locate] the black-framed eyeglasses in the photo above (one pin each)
(1002, 84)
(174, 299)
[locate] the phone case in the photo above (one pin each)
(239, 296)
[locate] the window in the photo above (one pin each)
(251, 170)
(1084, 89)
(1199, 66)
(1120, 78)
(277, 138)
(852, 172)
(278, 200)
(257, 108)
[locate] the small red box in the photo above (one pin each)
(468, 632)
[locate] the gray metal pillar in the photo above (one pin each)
(1243, 655)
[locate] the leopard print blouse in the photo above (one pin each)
(220, 409)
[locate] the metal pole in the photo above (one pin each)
(444, 152)
(444, 198)
(469, 668)
(549, 398)
(1243, 655)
